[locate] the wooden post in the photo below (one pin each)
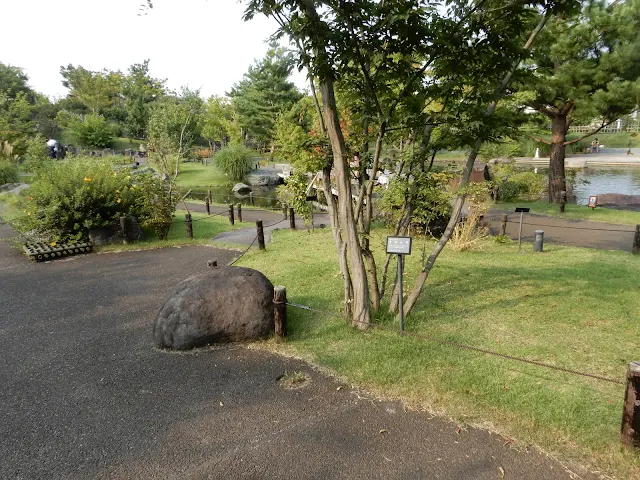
(563, 200)
(240, 212)
(284, 211)
(123, 228)
(503, 225)
(260, 232)
(630, 431)
(253, 202)
(187, 219)
(231, 219)
(280, 312)
(292, 219)
(207, 205)
(209, 194)
(636, 241)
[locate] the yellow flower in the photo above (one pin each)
(118, 201)
(87, 179)
(53, 244)
(117, 191)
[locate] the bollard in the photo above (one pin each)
(292, 219)
(503, 225)
(284, 211)
(187, 218)
(563, 200)
(209, 194)
(538, 243)
(260, 232)
(636, 241)
(207, 205)
(630, 431)
(280, 312)
(123, 228)
(240, 212)
(231, 219)
(253, 203)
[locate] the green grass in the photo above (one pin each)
(193, 174)
(205, 228)
(570, 307)
(574, 212)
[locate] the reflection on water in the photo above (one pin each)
(600, 180)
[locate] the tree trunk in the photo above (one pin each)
(557, 181)
(341, 247)
(360, 305)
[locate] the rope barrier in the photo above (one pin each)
(473, 348)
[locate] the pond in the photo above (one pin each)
(601, 180)
(263, 197)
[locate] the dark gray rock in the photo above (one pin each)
(263, 177)
(241, 188)
(227, 304)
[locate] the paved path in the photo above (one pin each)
(580, 233)
(85, 395)
(603, 159)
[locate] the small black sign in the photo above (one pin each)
(312, 198)
(522, 209)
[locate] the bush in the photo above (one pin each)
(510, 184)
(293, 194)
(91, 131)
(234, 161)
(67, 199)
(8, 172)
(36, 155)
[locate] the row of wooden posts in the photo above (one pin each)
(287, 212)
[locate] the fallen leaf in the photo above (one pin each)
(501, 472)
(339, 388)
(221, 404)
(383, 431)
(458, 430)
(505, 387)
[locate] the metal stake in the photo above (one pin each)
(520, 231)
(400, 268)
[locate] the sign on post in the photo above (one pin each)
(593, 201)
(400, 246)
(521, 211)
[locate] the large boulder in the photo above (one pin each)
(227, 304)
(241, 188)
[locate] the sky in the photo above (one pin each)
(203, 44)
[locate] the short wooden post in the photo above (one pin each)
(260, 233)
(187, 218)
(630, 431)
(123, 228)
(503, 224)
(207, 205)
(212, 263)
(231, 219)
(292, 219)
(253, 202)
(209, 194)
(280, 312)
(563, 200)
(636, 241)
(284, 211)
(240, 212)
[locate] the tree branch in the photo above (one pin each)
(593, 132)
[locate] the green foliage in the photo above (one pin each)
(36, 155)
(432, 202)
(97, 93)
(8, 172)
(217, 119)
(265, 92)
(89, 130)
(156, 203)
(507, 148)
(511, 184)
(139, 91)
(66, 199)
(293, 193)
(234, 161)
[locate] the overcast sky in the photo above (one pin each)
(200, 43)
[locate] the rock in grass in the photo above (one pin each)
(228, 304)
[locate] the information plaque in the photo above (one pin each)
(399, 245)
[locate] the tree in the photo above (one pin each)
(217, 120)
(263, 93)
(14, 81)
(397, 58)
(172, 130)
(92, 92)
(587, 64)
(139, 91)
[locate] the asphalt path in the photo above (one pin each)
(85, 395)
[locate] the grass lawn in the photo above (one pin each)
(571, 307)
(574, 212)
(194, 174)
(204, 229)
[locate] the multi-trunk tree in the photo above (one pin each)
(395, 60)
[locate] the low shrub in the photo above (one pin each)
(67, 199)
(234, 161)
(511, 184)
